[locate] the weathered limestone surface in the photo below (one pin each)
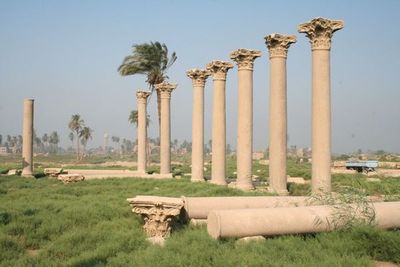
(244, 151)
(70, 178)
(200, 207)
(278, 46)
(218, 70)
(199, 78)
(14, 172)
(142, 129)
(53, 172)
(27, 139)
(100, 174)
(320, 32)
(291, 220)
(159, 213)
(165, 90)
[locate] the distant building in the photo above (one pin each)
(4, 150)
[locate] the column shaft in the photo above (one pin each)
(320, 32)
(218, 134)
(142, 135)
(165, 138)
(277, 126)
(27, 139)
(244, 150)
(198, 134)
(321, 121)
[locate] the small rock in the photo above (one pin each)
(249, 239)
(69, 178)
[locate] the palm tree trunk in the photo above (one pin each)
(159, 112)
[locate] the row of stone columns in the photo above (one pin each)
(319, 31)
(164, 89)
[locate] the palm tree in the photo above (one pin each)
(85, 134)
(45, 139)
(133, 117)
(71, 137)
(76, 124)
(54, 140)
(150, 59)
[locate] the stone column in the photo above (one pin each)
(299, 220)
(142, 130)
(244, 148)
(165, 90)
(278, 46)
(320, 32)
(218, 70)
(27, 139)
(198, 79)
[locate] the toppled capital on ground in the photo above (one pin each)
(160, 214)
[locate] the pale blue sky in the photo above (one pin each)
(65, 55)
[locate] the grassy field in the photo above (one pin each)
(46, 223)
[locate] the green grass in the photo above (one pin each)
(91, 224)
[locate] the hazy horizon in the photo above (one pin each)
(65, 55)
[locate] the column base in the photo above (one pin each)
(27, 174)
(141, 171)
(218, 182)
(245, 187)
(283, 192)
(197, 179)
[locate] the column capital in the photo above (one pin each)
(198, 76)
(165, 89)
(218, 69)
(160, 214)
(278, 44)
(142, 96)
(320, 31)
(245, 58)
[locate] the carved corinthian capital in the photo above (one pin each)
(218, 69)
(165, 89)
(159, 213)
(245, 58)
(278, 44)
(198, 76)
(142, 96)
(320, 32)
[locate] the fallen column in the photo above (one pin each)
(200, 207)
(296, 220)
